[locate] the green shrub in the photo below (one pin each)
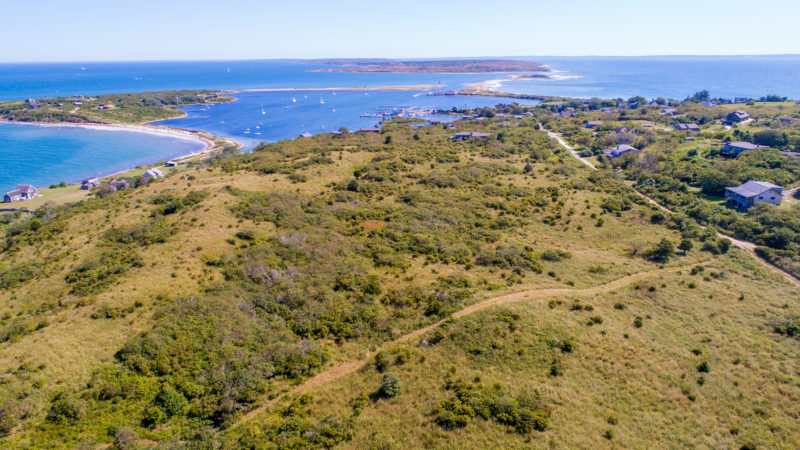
(391, 386)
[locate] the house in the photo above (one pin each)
(28, 191)
(13, 196)
(369, 130)
(737, 117)
(567, 113)
(336, 133)
(106, 106)
(153, 173)
(22, 192)
(119, 184)
(708, 103)
(687, 127)
(306, 135)
(464, 135)
(619, 150)
(593, 123)
(668, 112)
(79, 104)
(736, 147)
(754, 192)
(90, 184)
(170, 164)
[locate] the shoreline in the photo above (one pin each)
(493, 85)
(419, 87)
(176, 133)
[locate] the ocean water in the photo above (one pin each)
(19, 81)
(282, 118)
(43, 155)
(675, 77)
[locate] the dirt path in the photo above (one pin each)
(571, 150)
(345, 368)
(749, 247)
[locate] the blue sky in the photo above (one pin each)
(84, 30)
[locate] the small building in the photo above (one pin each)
(119, 184)
(736, 147)
(619, 150)
(737, 117)
(28, 192)
(693, 127)
(753, 192)
(567, 113)
(708, 103)
(106, 106)
(153, 173)
(170, 164)
(668, 112)
(22, 192)
(593, 123)
(79, 104)
(13, 196)
(464, 135)
(369, 130)
(306, 135)
(90, 184)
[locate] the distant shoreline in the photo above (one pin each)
(419, 87)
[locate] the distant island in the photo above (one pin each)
(437, 66)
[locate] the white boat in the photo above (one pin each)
(294, 100)
(263, 113)
(257, 133)
(321, 101)
(322, 126)
(222, 121)
(305, 96)
(333, 110)
(334, 93)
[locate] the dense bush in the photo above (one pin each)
(523, 414)
(391, 385)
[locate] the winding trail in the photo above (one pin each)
(348, 367)
(747, 246)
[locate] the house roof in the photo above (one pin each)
(614, 152)
(753, 188)
(14, 193)
(25, 187)
(744, 145)
(740, 114)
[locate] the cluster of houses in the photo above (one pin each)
(115, 185)
(22, 192)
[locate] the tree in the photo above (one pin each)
(661, 252)
(391, 385)
(701, 95)
(685, 245)
(771, 138)
(388, 139)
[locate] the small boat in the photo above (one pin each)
(294, 100)
(334, 93)
(222, 121)
(263, 113)
(257, 133)
(322, 126)
(333, 110)
(305, 96)
(321, 101)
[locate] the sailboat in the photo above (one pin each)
(263, 113)
(321, 101)
(294, 100)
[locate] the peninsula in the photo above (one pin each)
(432, 66)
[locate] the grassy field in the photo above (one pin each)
(410, 292)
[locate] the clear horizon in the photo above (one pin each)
(204, 30)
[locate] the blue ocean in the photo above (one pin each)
(45, 155)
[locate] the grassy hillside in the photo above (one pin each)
(368, 291)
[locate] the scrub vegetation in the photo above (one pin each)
(360, 291)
